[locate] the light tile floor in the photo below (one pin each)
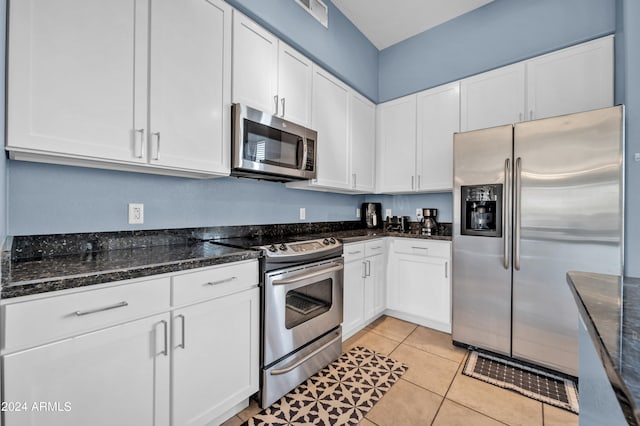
(434, 391)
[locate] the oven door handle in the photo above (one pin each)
(307, 276)
(305, 358)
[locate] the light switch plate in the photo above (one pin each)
(358, 213)
(387, 213)
(303, 213)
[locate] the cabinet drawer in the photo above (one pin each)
(353, 252)
(213, 282)
(39, 321)
(422, 247)
(371, 248)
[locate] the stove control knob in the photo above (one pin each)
(326, 242)
(272, 248)
(332, 240)
(283, 247)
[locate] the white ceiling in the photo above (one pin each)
(387, 22)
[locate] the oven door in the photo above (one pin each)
(301, 304)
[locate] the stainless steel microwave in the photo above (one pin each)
(268, 147)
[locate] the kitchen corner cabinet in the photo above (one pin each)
(364, 284)
(419, 282)
(362, 138)
(575, 79)
(121, 354)
(97, 83)
(268, 74)
(415, 141)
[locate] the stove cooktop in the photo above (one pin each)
(286, 246)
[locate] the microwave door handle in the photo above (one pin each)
(305, 154)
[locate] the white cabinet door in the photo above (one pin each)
(116, 376)
(579, 78)
(77, 78)
(295, 74)
(396, 143)
(438, 118)
(330, 118)
(363, 143)
(255, 65)
(493, 98)
(190, 96)
(215, 356)
(353, 306)
(374, 286)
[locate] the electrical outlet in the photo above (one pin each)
(387, 212)
(136, 213)
(419, 214)
(636, 156)
(357, 213)
(303, 213)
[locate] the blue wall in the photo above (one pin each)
(406, 205)
(3, 160)
(497, 34)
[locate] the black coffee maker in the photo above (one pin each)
(371, 215)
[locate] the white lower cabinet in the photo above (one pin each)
(364, 284)
(419, 282)
(116, 376)
(215, 356)
(120, 354)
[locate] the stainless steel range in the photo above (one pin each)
(302, 312)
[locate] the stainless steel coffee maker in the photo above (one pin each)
(429, 224)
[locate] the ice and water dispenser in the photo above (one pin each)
(481, 210)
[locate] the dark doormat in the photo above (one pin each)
(536, 384)
(339, 394)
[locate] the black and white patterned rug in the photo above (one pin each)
(536, 384)
(340, 394)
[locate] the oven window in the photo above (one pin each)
(305, 303)
(264, 144)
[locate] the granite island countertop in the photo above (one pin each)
(610, 308)
(23, 278)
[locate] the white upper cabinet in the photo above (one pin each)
(438, 118)
(189, 113)
(81, 78)
(396, 144)
(268, 74)
(77, 78)
(330, 118)
(492, 98)
(579, 78)
(363, 144)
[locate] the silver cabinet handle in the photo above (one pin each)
(275, 100)
(226, 280)
(368, 268)
(106, 308)
(376, 248)
(412, 179)
(282, 101)
(519, 117)
(446, 269)
(139, 143)
(420, 248)
(182, 321)
(505, 204)
(165, 351)
(309, 275)
(419, 179)
(305, 359)
(354, 252)
(354, 181)
(530, 114)
(364, 269)
(157, 135)
(518, 203)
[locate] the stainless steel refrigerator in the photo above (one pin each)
(531, 202)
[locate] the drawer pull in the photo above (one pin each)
(106, 308)
(376, 248)
(420, 248)
(354, 252)
(226, 280)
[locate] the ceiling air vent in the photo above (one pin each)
(317, 9)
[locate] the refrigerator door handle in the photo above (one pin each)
(505, 205)
(517, 204)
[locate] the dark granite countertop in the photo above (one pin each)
(78, 270)
(610, 308)
(357, 235)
